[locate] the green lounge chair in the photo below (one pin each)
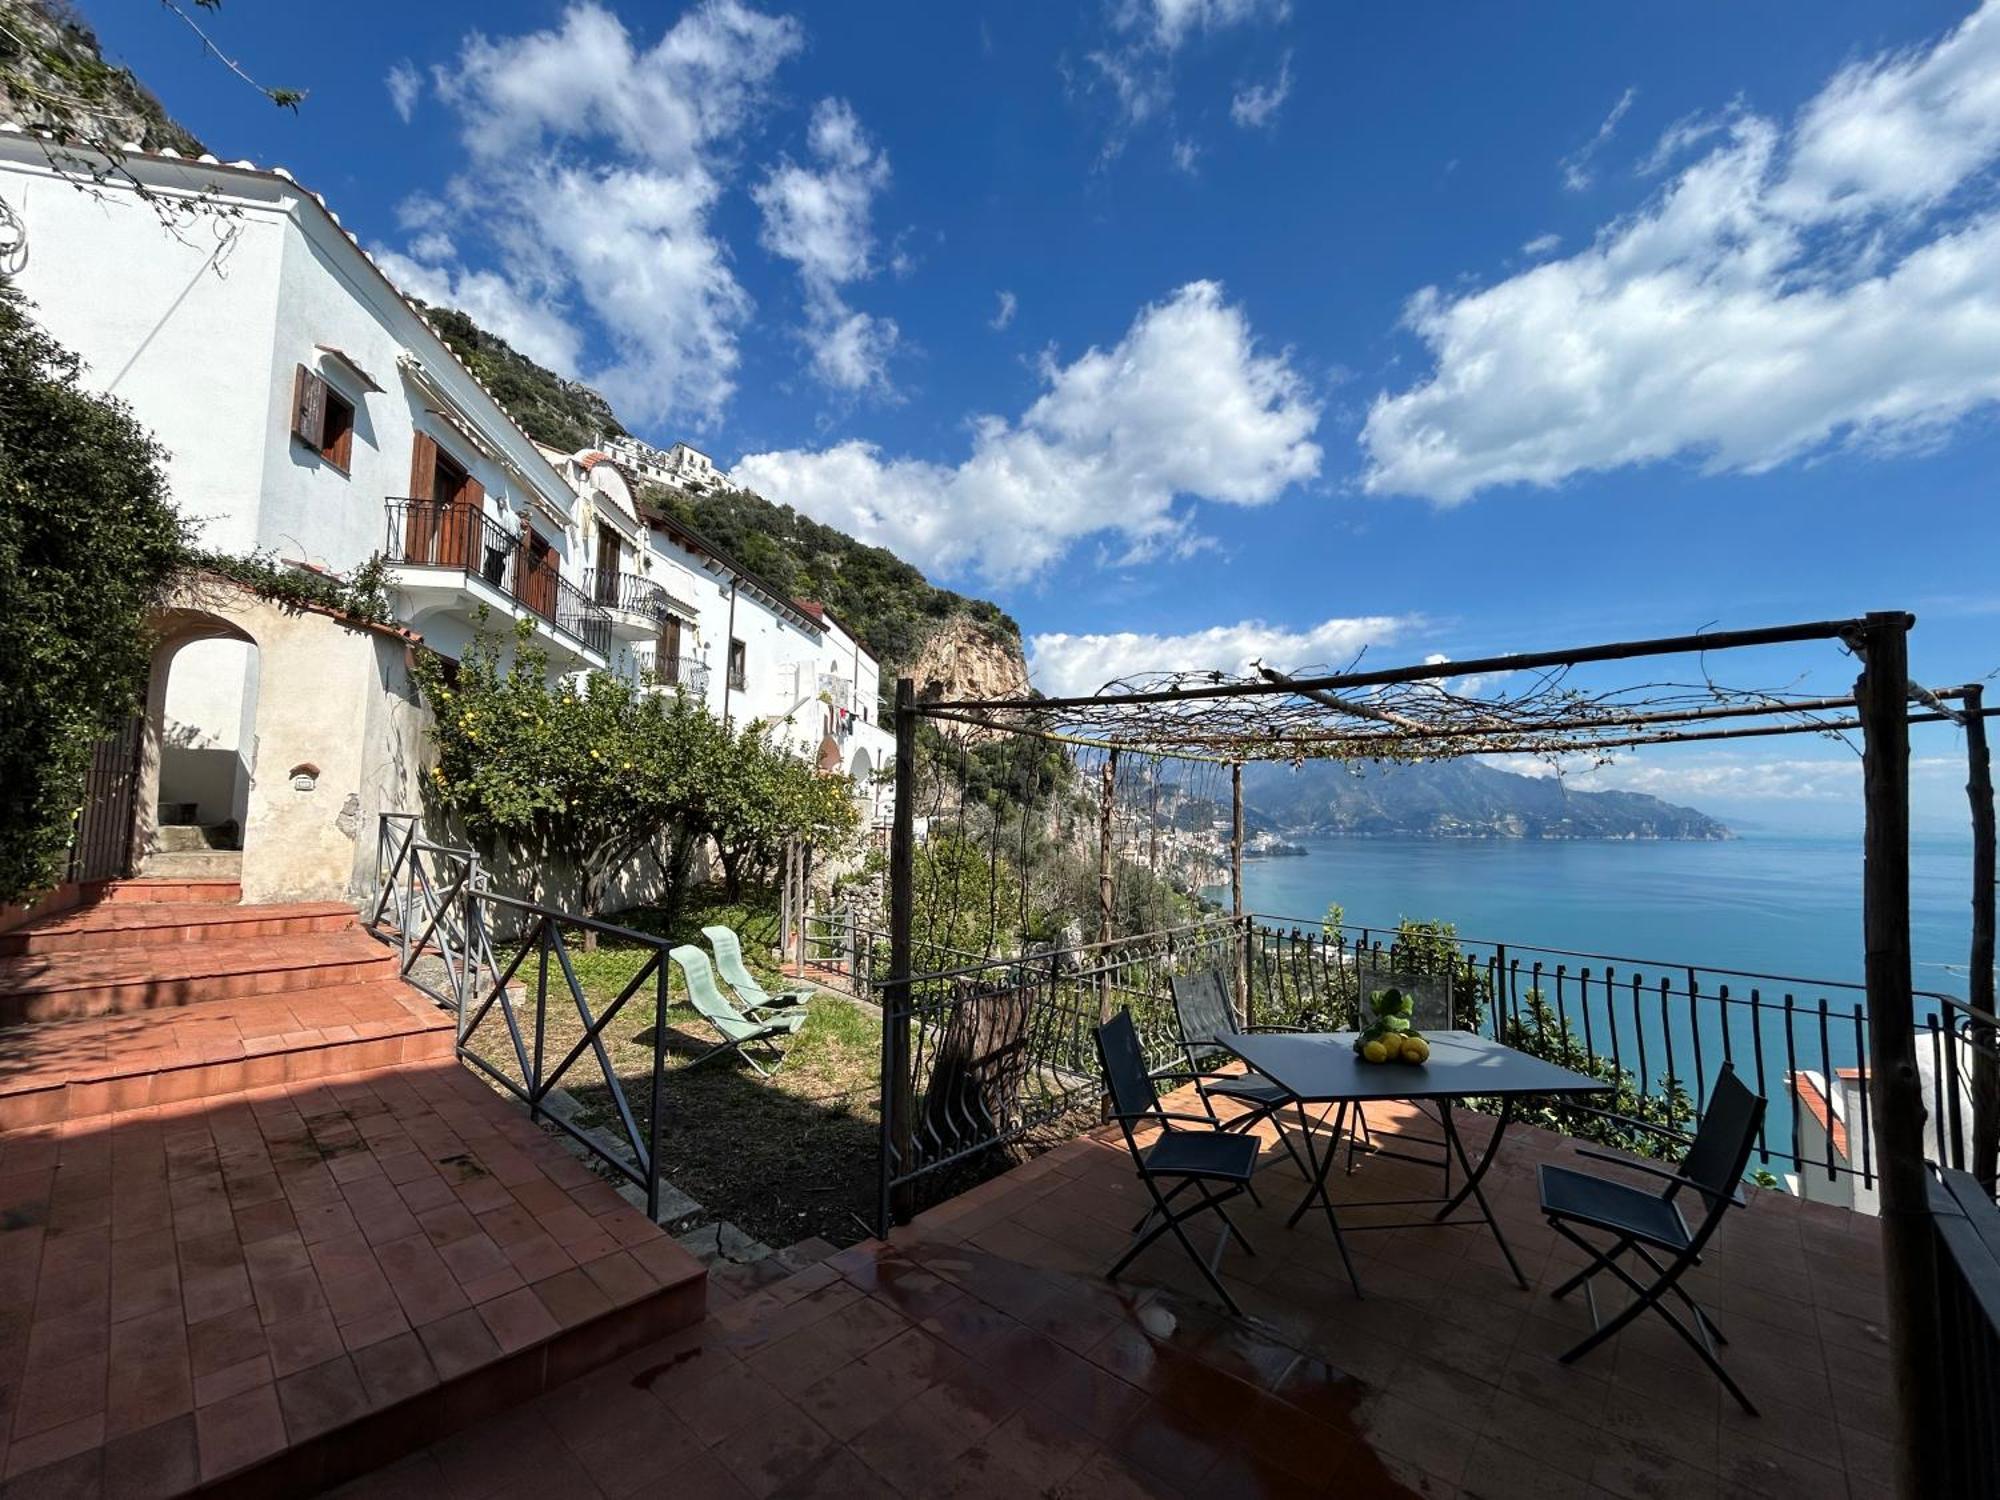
(736, 974)
(737, 1030)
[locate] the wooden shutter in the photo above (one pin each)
(309, 408)
(467, 534)
(423, 467)
(420, 521)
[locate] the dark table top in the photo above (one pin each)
(1323, 1066)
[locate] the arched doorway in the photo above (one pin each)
(198, 748)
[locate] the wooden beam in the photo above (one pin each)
(1979, 987)
(1720, 640)
(1896, 1087)
(897, 1106)
(1107, 802)
(1241, 978)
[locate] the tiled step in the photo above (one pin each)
(204, 864)
(307, 1282)
(66, 1070)
(125, 924)
(119, 981)
(224, 892)
(189, 838)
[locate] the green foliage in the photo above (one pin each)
(599, 771)
(965, 902)
(88, 543)
(1549, 1036)
(363, 596)
(562, 413)
(1333, 921)
(53, 75)
(1430, 949)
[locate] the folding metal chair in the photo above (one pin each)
(738, 1032)
(1201, 1004)
(736, 974)
(1641, 1222)
(1206, 1160)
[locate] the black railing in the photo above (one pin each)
(422, 906)
(1966, 1237)
(507, 1019)
(1664, 1028)
(626, 592)
(997, 1048)
(682, 671)
(450, 534)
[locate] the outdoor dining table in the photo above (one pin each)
(1323, 1068)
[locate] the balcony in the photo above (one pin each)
(445, 548)
(686, 672)
(636, 606)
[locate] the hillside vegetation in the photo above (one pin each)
(888, 603)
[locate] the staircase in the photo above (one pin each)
(259, 1230)
(183, 851)
(136, 1000)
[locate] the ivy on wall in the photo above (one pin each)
(89, 543)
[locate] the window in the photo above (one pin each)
(737, 665)
(322, 418)
(337, 442)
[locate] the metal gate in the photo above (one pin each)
(102, 847)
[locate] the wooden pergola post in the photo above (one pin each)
(1240, 979)
(1107, 794)
(1979, 988)
(1895, 1086)
(896, 1100)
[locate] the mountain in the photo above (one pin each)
(53, 76)
(565, 414)
(1458, 799)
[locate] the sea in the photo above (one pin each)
(1770, 914)
(1780, 904)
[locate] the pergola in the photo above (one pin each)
(1413, 713)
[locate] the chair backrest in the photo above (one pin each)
(703, 993)
(1201, 1001)
(1726, 1137)
(729, 961)
(1126, 1077)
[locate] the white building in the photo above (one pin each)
(1832, 1130)
(308, 411)
(683, 467)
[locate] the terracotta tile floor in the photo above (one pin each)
(93, 980)
(188, 1290)
(67, 1069)
(981, 1353)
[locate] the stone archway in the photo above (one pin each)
(197, 746)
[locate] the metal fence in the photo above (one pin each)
(1966, 1230)
(983, 1052)
(1664, 1028)
(457, 535)
(422, 906)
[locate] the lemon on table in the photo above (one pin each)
(1416, 1050)
(1392, 1045)
(1374, 1052)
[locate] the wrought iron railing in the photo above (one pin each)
(1665, 1028)
(1965, 1227)
(627, 592)
(451, 534)
(979, 1054)
(682, 671)
(422, 905)
(504, 1030)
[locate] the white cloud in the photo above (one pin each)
(1136, 61)
(1577, 172)
(1004, 313)
(1837, 281)
(817, 217)
(1183, 405)
(1186, 156)
(1720, 776)
(1258, 104)
(1068, 665)
(406, 86)
(1541, 245)
(593, 167)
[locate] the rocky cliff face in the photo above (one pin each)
(964, 659)
(52, 78)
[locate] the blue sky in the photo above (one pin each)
(1234, 328)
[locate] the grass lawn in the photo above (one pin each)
(785, 1157)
